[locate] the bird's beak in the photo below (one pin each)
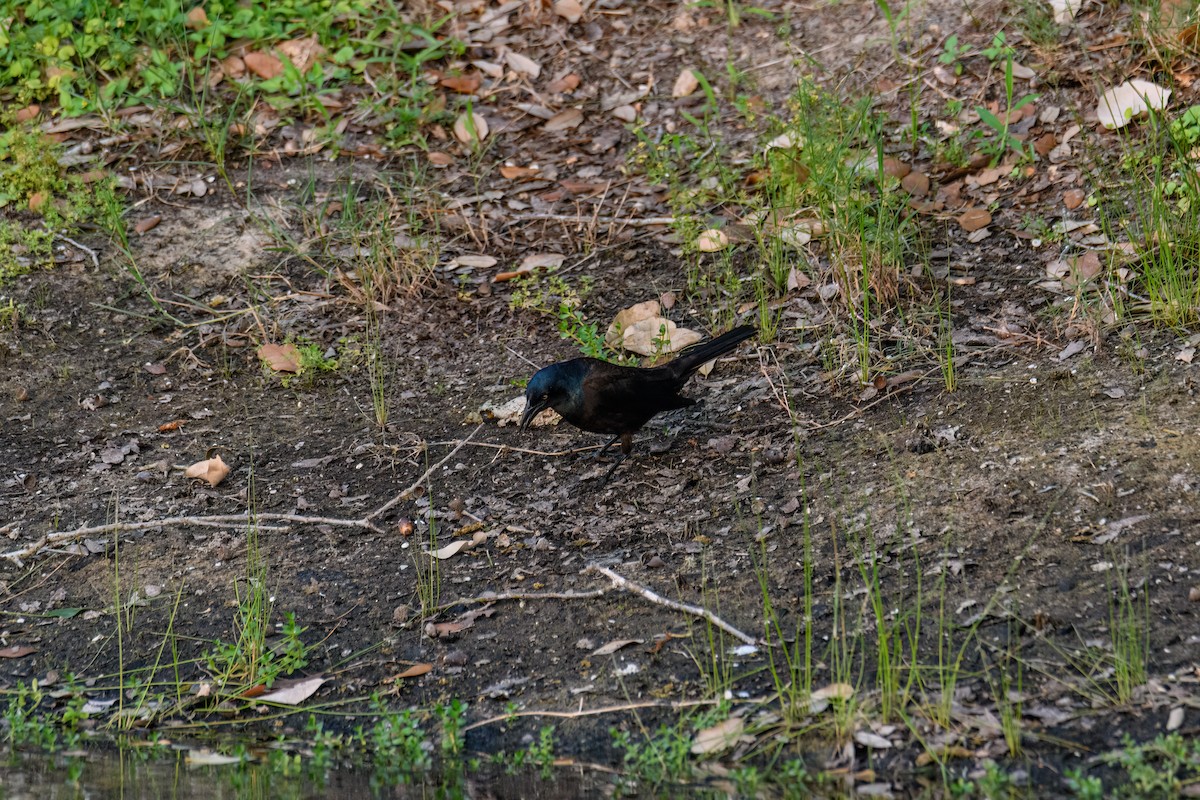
(531, 411)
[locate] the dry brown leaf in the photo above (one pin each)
(712, 240)
(280, 357)
(685, 84)
(303, 53)
(264, 65)
(439, 159)
(452, 549)
(522, 65)
(470, 128)
(197, 19)
(564, 120)
(656, 335)
(17, 651)
(293, 692)
(628, 317)
(719, 737)
(1131, 99)
(28, 112)
(834, 691)
(530, 263)
(147, 223)
(463, 84)
(614, 646)
(567, 83)
(974, 219)
(234, 67)
(570, 10)
(1073, 198)
(212, 470)
(415, 671)
(513, 173)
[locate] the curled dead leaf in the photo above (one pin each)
(570, 10)
(974, 219)
(1131, 99)
(564, 120)
(711, 240)
(470, 128)
(197, 19)
(719, 737)
(212, 470)
(264, 65)
(685, 84)
(280, 357)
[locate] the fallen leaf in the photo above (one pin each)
(147, 223)
(655, 335)
(685, 84)
(522, 65)
(628, 317)
(212, 470)
(530, 263)
(975, 219)
(1186, 355)
(415, 671)
(451, 549)
(719, 737)
(264, 65)
(570, 10)
(567, 83)
(564, 120)
(1122, 103)
(303, 53)
(711, 240)
(470, 128)
(475, 262)
(872, 740)
(154, 368)
(196, 19)
(614, 646)
(293, 692)
(17, 651)
(513, 172)
(834, 691)
(1065, 10)
(280, 357)
(463, 84)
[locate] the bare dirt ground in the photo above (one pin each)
(1010, 511)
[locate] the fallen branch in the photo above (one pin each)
(243, 519)
(591, 712)
(654, 597)
(631, 222)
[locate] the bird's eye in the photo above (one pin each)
(546, 396)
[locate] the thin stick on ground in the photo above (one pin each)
(654, 597)
(590, 712)
(245, 518)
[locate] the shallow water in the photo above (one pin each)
(120, 774)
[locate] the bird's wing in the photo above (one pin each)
(622, 399)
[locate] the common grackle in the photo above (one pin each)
(600, 397)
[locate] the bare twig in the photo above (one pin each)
(582, 219)
(83, 247)
(654, 597)
(415, 484)
(245, 518)
(590, 712)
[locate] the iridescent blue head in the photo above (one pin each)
(540, 393)
(554, 387)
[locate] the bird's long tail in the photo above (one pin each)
(691, 358)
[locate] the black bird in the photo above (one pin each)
(600, 397)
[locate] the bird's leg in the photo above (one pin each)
(607, 445)
(604, 482)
